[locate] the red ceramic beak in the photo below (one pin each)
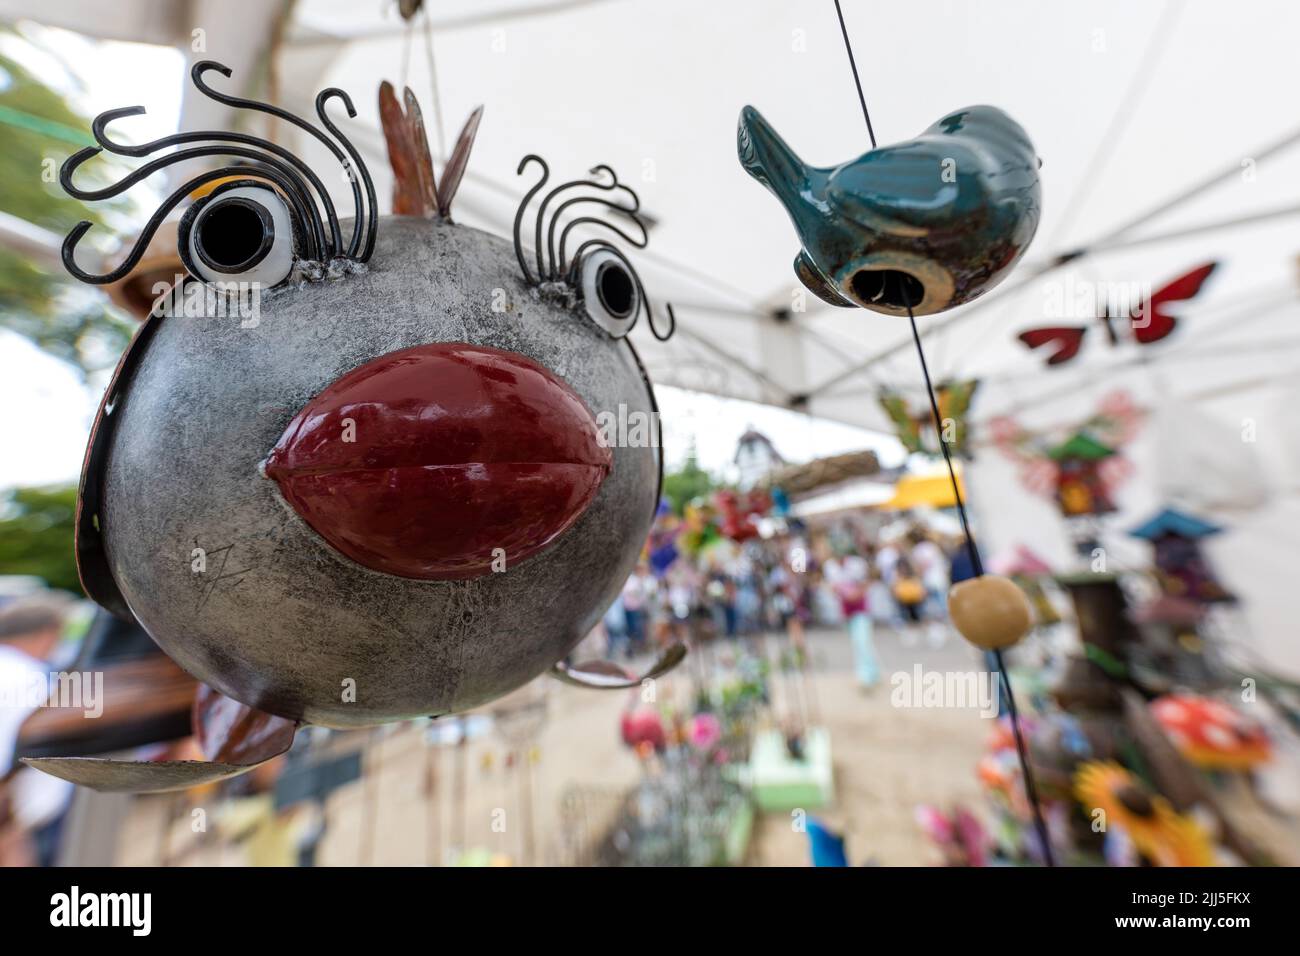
(424, 462)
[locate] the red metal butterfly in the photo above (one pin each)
(1148, 322)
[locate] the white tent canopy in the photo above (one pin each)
(1134, 108)
(1131, 106)
(654, 89)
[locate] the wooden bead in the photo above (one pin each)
(990, 611)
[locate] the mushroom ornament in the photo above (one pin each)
(366, 483)
(1210, 734)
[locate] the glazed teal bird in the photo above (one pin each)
(931, 222)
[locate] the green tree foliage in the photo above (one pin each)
(687, 483)
(36, 532)
(42, 303)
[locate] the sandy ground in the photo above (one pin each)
(887, 760)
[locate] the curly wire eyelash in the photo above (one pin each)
(301, 187)
(552, 265)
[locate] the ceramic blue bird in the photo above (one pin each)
(931, 222)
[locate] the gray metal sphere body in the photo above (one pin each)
(277, 618)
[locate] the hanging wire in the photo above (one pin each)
(406, 54)
(977, 566)
(857, 81)
(433, 85)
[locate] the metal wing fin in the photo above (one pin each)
(606, 675)
(235, 737)
(455, 168)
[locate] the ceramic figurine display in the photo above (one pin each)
(926, 224)
(382, 494)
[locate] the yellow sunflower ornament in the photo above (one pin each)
(1161, 834)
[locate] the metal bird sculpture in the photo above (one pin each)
(363, 479)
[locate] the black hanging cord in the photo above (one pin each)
(1031, 788)
(977, 566)
(853, 65)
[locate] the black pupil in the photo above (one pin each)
(614, 286)
(888, 287)
(231, 234)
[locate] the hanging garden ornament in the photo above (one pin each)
(1147, 321)
(1181, 568)
(365, 481)
(1080, 466)
(1161, 834)
(929, 223)
(914, 427)
(1210, 734)
(990, 611)
(912, 229)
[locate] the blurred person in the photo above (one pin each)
(909, 593)
(790, 601)
(961, 567)
(749, 600)
(881, 606)
(656, 613)
(682, 598)
(616, 632)
(931, 566)
(848, 577)
(887, 556)
(32, 804)
(719, 595)
(825, 605)
(634, 599)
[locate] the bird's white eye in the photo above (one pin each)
(610, 292)
(242, 232)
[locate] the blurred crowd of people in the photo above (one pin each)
(795, 579)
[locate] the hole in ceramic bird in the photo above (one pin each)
(888, 287)
(234, 235)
